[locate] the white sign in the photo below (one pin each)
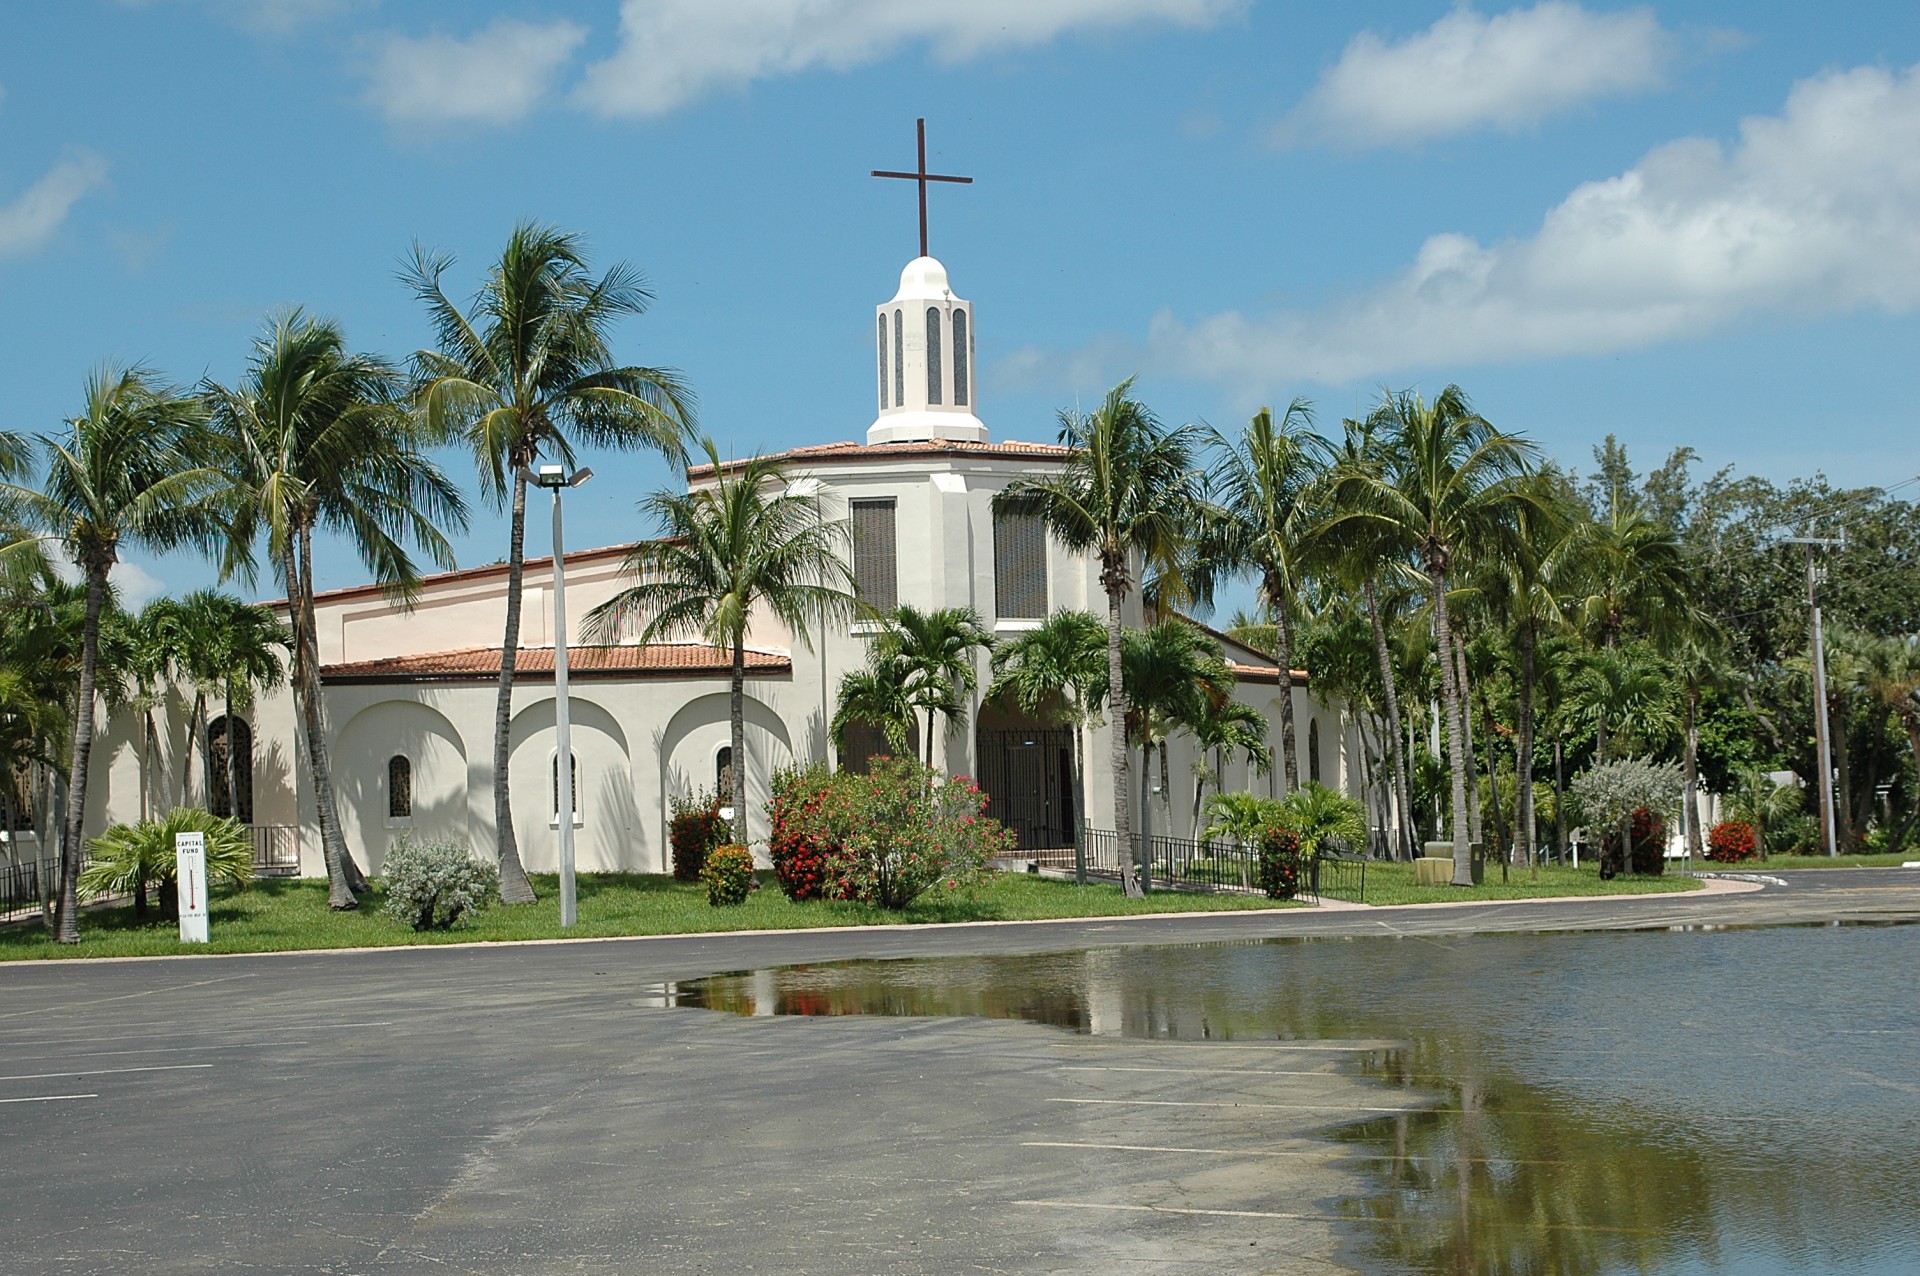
(190, 880)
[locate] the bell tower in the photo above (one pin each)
(923, 340)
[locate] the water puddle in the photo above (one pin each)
(1667, 1101)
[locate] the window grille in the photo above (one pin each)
(875, 578)
(220, 739)
(1313, 750)
(399, 787)
(899, 358)
(723, 774)
(575, 771)
(883, 363)
(933, 355)
(961, 363)
(1019, 564)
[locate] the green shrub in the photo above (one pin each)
(910, 828)
(432, 885)
(1731, 841)
(810, 816)
(1281, 862)
(695, 828)
(1218, 872)
(132, 859)
(728, 874)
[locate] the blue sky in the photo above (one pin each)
(1683, 223)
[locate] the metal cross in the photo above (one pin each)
(922, 176)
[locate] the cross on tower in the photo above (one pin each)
(922, 176)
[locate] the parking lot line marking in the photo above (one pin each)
(178, 1032)
(50, 1098)
(96, 1054)
(1287, 1107)
(101, 1072)
(1174, 1209)
(1307, 1046)
(1317, 1152)
(1202, 1071)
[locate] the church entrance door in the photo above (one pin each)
(1028, 778)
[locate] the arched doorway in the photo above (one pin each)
(220, 800)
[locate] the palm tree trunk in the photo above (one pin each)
(1117, 751)
(737, 735)
(341, 893)
(233, 785)
(1456, 732)
(1692, 770)
(1474, 824)
(66, 921)
(1523, 756)
(193, 735)
(1283, 655)
(146, 764)
(1843, 778)
(1403, 785)
(514, 886)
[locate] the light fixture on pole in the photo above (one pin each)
(555, 479)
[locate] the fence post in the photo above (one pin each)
(1079, 852)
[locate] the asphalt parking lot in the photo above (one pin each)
(540, 1109)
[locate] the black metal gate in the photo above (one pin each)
(1028, 779)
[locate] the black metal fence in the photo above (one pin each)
(24, 885)
(1180, 863)
(276, 850)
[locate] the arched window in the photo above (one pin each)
(575, 772)
(1313, 750)
(961, 363)
(230, 788)
(723, 774)
(883, 363)
(399, 787)
(899, 358)
(933, 355)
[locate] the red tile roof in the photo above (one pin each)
(950, 448)
(1267, 673)
(482, 664)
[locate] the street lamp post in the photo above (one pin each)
(555, 479)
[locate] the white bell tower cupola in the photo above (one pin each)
(924, 344)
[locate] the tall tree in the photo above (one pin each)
(1266, 485)
(745, 540)
(318, 439)
(1453, 479)
(935, 654)
(876, 695)
(130, 470)
(1127, 496)
(248, 643)
(521, 377)
(1175, 678)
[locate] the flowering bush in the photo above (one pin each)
(694, 829)
(432, 885)
(1280, 862)
(728, 874)
(809, 815)
(1730, 842)
(905, 830)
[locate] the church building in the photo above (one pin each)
(409, 692)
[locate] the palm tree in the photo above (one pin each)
(747, 541)
(1453, 478)
(1174, 678)
(1057, 671)
(1891, 675)
(878, 695)
(1126, 494)
(1366, 551)
(316, 438)
(1318, 815)
(933, 654)
(1223, 728)
(247, 645)
(1636, 576)
(130, 470)
(1757, 800)
(522, 377)
(1266, 488)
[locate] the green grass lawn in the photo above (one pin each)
(1392, 883)
(275, 916)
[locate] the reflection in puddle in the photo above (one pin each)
(1659, 1102)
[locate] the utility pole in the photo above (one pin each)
(1822, 728)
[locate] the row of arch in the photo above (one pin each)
(936, 384)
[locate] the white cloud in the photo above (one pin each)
(135, 585)
(494, 76)
(31, 219)
(674, 51)
(1814, 212)
(1469, 71)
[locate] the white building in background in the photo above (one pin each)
(410, 693)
